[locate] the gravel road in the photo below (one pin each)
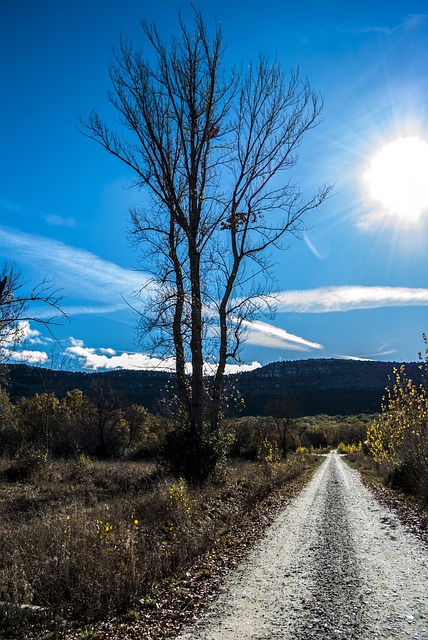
(334, 565)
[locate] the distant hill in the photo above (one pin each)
(330, 386)
(313, 386)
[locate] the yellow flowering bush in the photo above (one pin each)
(398, 439)
(267, 452)
(350, 448)
(179, 508)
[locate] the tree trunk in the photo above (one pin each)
(216, 389)
(196, 406)
(177, 330)
(216, 392)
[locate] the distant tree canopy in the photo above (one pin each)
(212, 149)
(99, 424)
(93, 425)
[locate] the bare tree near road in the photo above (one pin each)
(211, 150)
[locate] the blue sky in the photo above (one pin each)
(356, 284)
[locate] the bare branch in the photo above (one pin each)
(16, 306)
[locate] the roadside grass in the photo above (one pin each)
(365, 465)
(84, 540)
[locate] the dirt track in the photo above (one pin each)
(334, 565)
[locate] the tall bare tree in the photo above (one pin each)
(211, 151)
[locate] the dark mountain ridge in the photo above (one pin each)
(312, 386)
(328, 386)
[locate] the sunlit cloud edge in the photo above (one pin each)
(106, 359)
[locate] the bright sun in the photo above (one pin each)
(397, 178)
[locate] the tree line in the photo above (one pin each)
(102, 425)
(97, 424)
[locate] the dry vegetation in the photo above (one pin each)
(85, 540)
(82, 540)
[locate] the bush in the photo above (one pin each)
(404, 476)
(398, 439)
(24, 466)
(349, 448)
(10, 436)
(191, 455)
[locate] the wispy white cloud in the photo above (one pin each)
(409, 23)
(377, 29)
(79, 272)
(9, 205)
(87, 309)
(379, 353)
(358, 358)
(60, 221)
(267, 335)
(414, 21)
(349, 298)
(311, 246)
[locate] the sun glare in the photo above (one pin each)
(397, 179)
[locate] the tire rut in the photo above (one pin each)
(335, 608)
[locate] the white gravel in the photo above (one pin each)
(334, 565)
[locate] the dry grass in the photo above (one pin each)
(84, 540)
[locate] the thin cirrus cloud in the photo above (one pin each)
(267, 335)
(349, 298)
(411, 22)
(103, 280)
(77, 271)
(60, 221)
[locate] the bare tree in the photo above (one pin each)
(16, 306)
(211, 152)
(108, 417)
(283, 410)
